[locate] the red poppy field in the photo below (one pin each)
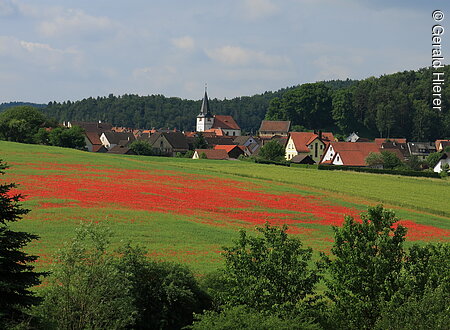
(176, 212)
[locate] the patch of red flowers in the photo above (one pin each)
(217, 200)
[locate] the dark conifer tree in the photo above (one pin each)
(17, 275)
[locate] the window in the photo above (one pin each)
(200, 119)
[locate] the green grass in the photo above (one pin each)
(192, 239)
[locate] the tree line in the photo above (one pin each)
(394, 105)
(26, 124)
(268, 281)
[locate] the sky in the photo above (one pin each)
(69, 50)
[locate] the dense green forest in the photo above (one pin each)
(394, 105)
(8, 105)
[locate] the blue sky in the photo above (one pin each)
(69, 50)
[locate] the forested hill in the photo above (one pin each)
(160, 111)
(398, 104)
(4, 106)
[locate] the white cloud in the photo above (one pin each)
(234, 55)
(37, 54)
(259, 8)
(185, 43)
(74, 22)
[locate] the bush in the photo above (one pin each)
(270, 272)
(142, 148)
(166, 295)
(243, 317)
(86, 289)
(272, 151)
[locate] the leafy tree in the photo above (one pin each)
(272, 150)
(268, 273)
(387, 159)
(414, 163)
(365, 267)
(141, 147)
(429, 311)
(423, 299)
(200, 142)
(243, 317)
(432, 159)
(166, 294)
(17, 275)
(42, 137)
(342, 110)
(203, 156)
(374, 159)
(21, 123)
(275, 110)
(86, 289)
(390, 160)
(72, 137)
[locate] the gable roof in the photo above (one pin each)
(227, 148)
(275, 126)
(118, 138)
(225, 122)
(93, 137)
(441, 144)
(241, 140)
(302, 140)
(219, 154)
(177, 140)
(421, 147)
(92, 126)
(353, 154)
(302, 159)
(121, 150)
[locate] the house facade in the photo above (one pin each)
(307, 144)
(348, 153)
(271, 128)
(445, 159)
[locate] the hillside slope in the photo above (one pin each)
(186, 210)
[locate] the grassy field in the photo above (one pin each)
(186, 210)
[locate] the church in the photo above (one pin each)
(207, 122)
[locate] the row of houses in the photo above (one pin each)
(300, 147)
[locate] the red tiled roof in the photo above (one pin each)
(443, 144)
(225, 147)
(380, 141)
(354, 153)
(213, 153)
(216, 131)
(275, 126)
(225, 122)
(302, 140)
(93, 137)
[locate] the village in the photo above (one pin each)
(219, 137)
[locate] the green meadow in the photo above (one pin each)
(196, 239)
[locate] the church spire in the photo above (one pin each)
(205, 110)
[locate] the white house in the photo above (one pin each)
(445, 159)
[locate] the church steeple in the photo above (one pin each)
(205, 119)
(205, 110)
